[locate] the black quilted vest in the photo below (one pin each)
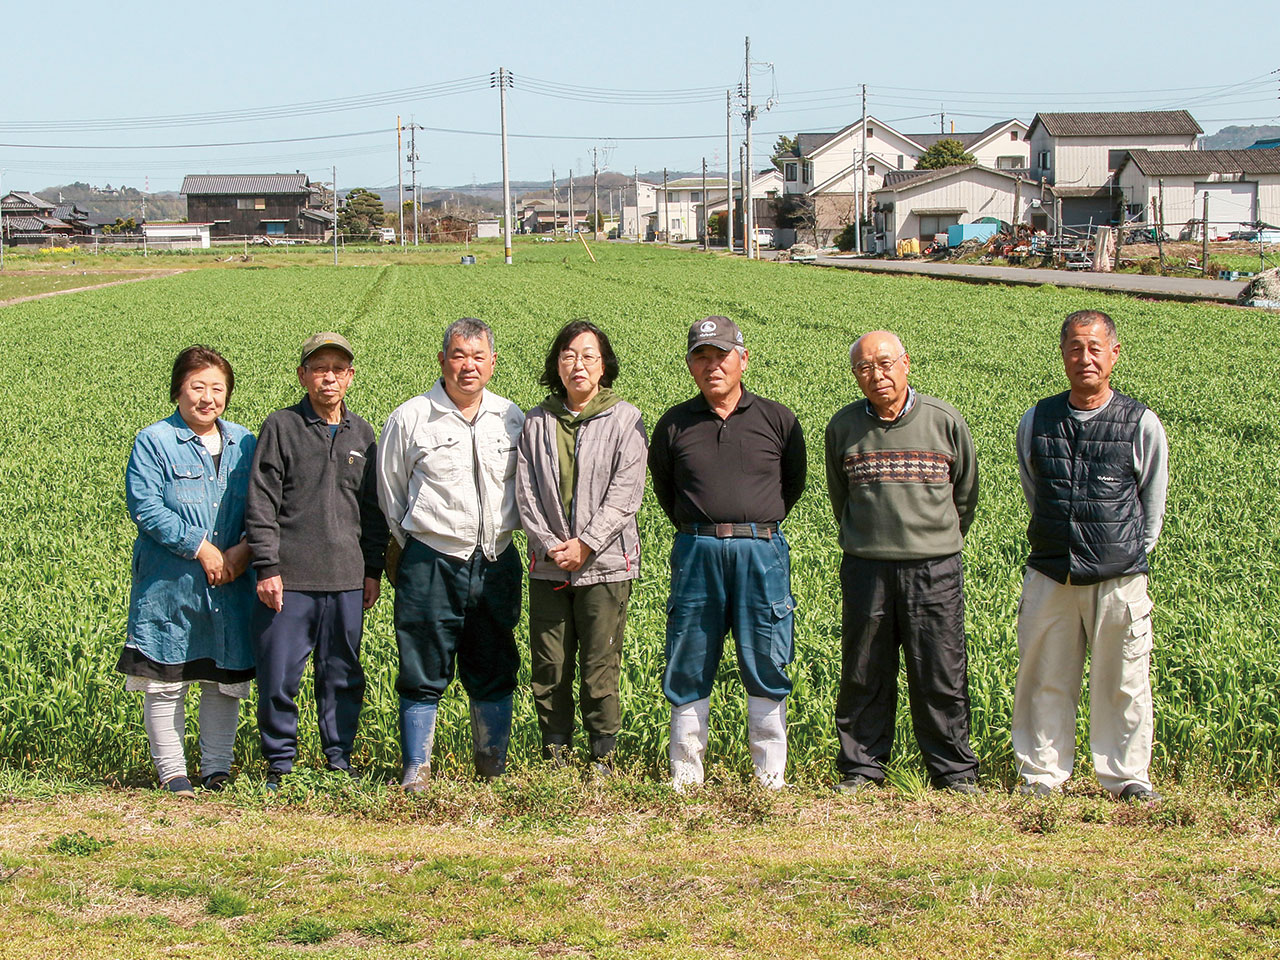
(1088, 520)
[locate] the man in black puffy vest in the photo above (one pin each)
(1094, 468)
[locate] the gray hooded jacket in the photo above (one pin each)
(610, 465)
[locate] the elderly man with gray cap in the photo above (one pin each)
(318, 541)
(902, 477)
(727, 468)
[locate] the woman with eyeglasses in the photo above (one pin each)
(580, 473)
(192, 595)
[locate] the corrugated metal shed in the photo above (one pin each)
(243, 184)
(1130, 123)
(1198, 163)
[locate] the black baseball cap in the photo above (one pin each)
(719, 332)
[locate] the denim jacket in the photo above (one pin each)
(177, 500)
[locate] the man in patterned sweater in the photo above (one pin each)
(903, 481)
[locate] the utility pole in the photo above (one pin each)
(573, 226)
(942, 118)
(2, 227)
(555, 206)
(413, 177)
(706, 239)
(1204, 262)
(595, 195)
(399, 182)
(503, 79)
(666, 210)
(862, 178)
(635, 174)
(742, 174)
(335, 216)
(748, 216)
(1158, 216)
(728, 163)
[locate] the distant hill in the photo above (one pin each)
(110, 202)
(1238, 138)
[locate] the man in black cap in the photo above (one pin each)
(727, 467)
(318, 539)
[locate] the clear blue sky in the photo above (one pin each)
(150, 75)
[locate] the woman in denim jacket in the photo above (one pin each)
(192, 597)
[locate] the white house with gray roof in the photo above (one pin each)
(1243, 187)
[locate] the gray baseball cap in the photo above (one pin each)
(318, 341)
(720, 332)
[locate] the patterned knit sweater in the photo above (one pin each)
(905, 489)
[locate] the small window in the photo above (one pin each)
(695, 196)
(1013, 134)
(807, 171)
(1042, 160)
(1115, 158)
(871, 131)
(790, 172)
(937, 224)
(871, 169)
(275, 229)
(902, 162)
(1008, 163)
(251, 203)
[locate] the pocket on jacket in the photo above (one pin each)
(188, 482)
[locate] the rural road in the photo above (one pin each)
(1165, 288)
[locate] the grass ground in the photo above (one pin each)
(551, 864)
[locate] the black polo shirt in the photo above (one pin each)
(747, 468)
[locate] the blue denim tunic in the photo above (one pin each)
(177, 500)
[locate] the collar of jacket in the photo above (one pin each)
(443, 404)
(310, 415)
(185, 434)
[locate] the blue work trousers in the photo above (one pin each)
(327, 625)
(737, 585)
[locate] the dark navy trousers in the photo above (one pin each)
(457, 614)
(327, 626)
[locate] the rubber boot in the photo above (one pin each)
(490, 736)
(689, 730)
(767, 733)
(602, 756)
(557, 749)
(417, 734)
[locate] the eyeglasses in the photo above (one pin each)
(863, 370)
(570, 359)
(337, 369)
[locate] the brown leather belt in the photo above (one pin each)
(725, 531)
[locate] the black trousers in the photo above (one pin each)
(917, 605)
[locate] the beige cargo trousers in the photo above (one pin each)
(1057, 624)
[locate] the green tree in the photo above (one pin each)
(362, 214)
(945, 153)
(783, 145)
(718, 226)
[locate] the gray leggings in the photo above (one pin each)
(164, 716)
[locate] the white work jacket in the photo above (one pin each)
(448, 482)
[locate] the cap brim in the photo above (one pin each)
(725, 345)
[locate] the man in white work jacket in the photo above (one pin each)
(446, 481)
